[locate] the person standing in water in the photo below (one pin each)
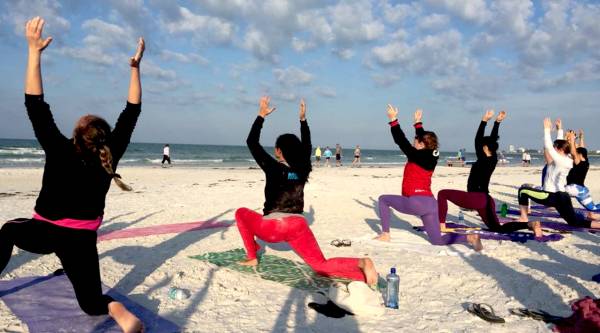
(338, 155)
(77, 175)
(282, 219)
(477, 196)
(356, 161)
(318, 156)
(417, 198)
(166, 155)
(327, 154)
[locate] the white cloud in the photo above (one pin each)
(201, 27)
(19, 11)
(469, 10)
(302, 45)
(400, 13)
(345, 54)
(433, 22)
(292, 76)
(185, 58)
(328, 92)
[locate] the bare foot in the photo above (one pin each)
(126, 320)
(368, 268)
(475, 242)
(536, 226)
(249, 262)
(384, 237)
(593, 216)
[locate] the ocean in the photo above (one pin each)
(28, 153)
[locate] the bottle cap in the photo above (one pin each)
(393, 270)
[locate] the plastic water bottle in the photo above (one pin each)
(461, 216)
(178, 293)
(504, 210)
(393, 285)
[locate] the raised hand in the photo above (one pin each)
(488, 115)
(263, 108)
(581, 133)
(139, 53)
(392, 112)
(418, 115)
(558, 123)
(33, 33)
(501, 116)
(571, 137)
(547, 124)
(302, 110)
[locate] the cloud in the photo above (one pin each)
(203, 28)
(433, 22)
(185, 58)
(150, 68)
(292, 76)
(328, 92)
(19, 11)
(470, 10)
(400, 13)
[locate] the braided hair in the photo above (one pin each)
(91, 135)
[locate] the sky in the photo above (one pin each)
(207, 63)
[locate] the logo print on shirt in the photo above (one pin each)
(292, 176)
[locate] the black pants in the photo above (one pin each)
(166, 158)
(559, 200)
(75, 248)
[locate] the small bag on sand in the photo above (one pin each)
(358, 298)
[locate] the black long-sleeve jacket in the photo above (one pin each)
(483, 168)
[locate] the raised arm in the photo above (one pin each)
(496, 127)
(125, 125)
(264, 160)
(560, 133)
(550, 153)
(572, 147)
(397, 133)
(481, 132)
(304, 130)
(581, 139)
(44, 127)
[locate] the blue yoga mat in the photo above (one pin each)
(517, 236)
(48, 304)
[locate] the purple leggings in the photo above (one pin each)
(424, 207)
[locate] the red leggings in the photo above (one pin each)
(295, 231)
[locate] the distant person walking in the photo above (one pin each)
(327, 154)
(338, 155)
(166, 155)
(318, 156)
(356, 161)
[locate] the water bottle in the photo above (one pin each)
(504, 210)
(178, 293)
(393, 285)
(461, 216)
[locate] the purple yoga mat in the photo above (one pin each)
(48, 304)
(516, 236)
(560, 226)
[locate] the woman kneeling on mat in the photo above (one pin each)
(477, 195)
(554, 192)
(284, 203)
(417, 198)
(77, 176)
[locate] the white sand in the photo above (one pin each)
(435, 282)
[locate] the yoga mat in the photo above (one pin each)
(272, 268)
(516, 236)
(160, 230)
(560, 226)
(48, 304)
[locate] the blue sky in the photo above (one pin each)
(208, 62)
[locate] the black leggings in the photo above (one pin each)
(559, 200)
(166, 158)
(75, 248)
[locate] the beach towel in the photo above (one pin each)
(48, 304)
(160, 230)
(516, 236)
(273, 268)
(585, 317)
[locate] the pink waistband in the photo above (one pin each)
(72, 223)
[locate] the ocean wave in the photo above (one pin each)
(23, 160)
(186, 161)
(21, 151)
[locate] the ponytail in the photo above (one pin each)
(90, 136)
(106, 160)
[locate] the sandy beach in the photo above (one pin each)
(435, 282)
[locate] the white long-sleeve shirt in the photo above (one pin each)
(556, 174)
